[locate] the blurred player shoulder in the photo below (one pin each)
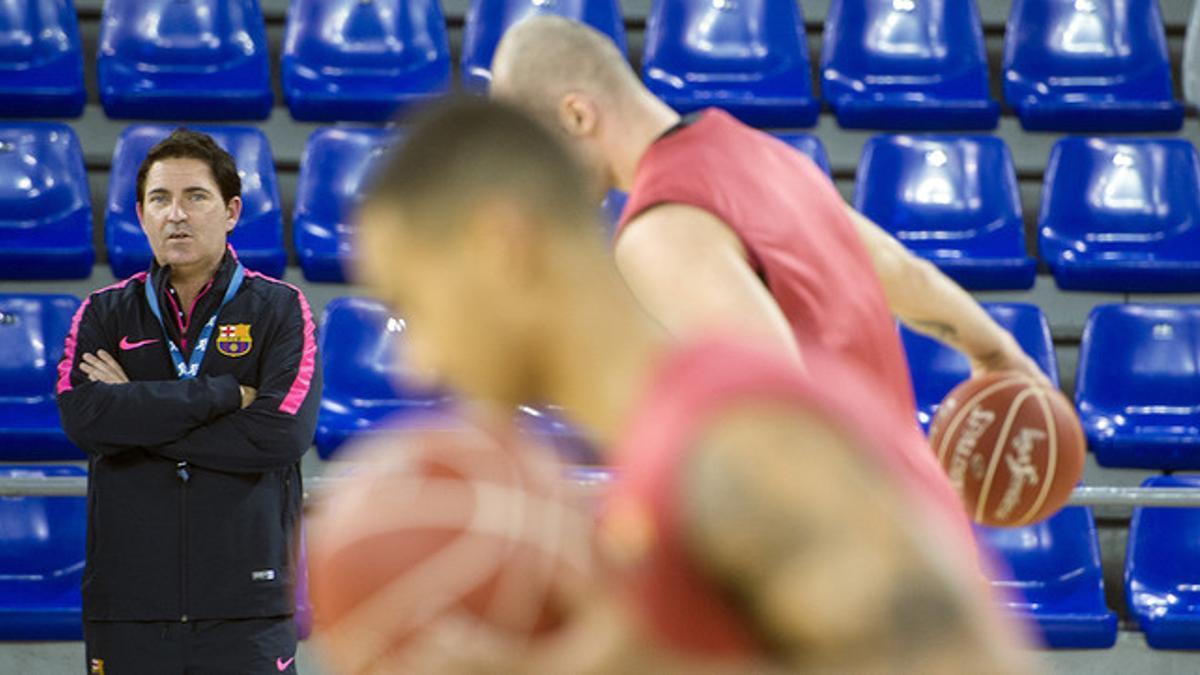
(764, 501)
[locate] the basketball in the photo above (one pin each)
(1013, 449)
(441, 537)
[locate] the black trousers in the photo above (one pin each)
(233, 647)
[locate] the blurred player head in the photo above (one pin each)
(575, 79)
(479, 229)
(188, 200)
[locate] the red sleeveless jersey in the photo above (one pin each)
(793, 224)
(693, 386)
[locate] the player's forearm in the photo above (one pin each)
(928, 301)
(933, 304)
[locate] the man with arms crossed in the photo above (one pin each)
(193, 388)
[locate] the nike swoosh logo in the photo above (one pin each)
(126, 345)
(282, 665)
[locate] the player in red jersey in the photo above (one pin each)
(760, 519)
(728, 227)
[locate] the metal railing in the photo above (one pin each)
(1082, 496)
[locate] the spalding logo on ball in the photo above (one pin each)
(1013, 448)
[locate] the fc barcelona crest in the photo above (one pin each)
(234, 339)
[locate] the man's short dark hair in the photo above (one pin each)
(462, 152)
(184, 143)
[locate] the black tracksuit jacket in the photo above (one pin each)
(193, 503)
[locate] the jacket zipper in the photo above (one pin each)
(181, 471)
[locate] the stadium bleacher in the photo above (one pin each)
(1128, 202)
(1122, 214)
(1138, 389)
(45, 203)
(906, 65)
(954, 200)
(352, 60)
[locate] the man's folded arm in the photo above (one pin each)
(276, 429)
(109, 418)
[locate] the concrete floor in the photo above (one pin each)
(1130, 656)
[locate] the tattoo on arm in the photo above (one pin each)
(808, 544)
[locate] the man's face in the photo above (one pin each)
(467, 319)
(183, 215)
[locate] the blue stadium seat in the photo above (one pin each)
(333, 174)
(488, 20)
(360, 345)
(1089, 65)
(936, 368)
(1162, 570)
(1138, 385)
(41, 560)
(1122, 215)
(41, 60)
(746, 56)
(355, 60)
(193, 60)
(258, 237)
(907, 64)
(32, 331)
(809, 144)
(1055, 579)
(45, 204)
(954, 200)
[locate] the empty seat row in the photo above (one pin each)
(1137, 386)
(889, 64)
(1118, 214)
(45, 204)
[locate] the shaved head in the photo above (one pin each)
(544, 58)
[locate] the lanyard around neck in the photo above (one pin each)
(186, 370)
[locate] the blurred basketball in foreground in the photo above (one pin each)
(1013, 449)
(442, 538)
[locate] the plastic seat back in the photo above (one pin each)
(355, 60)
(749, 57)
(258, 236)
(1162, 569)
(45, 204)
(907, 64)
(488, 21)
(41, 60)
(334, 173)
(33, 329)
(1122, 214)
(1056, 579)
(362, 348)
(184, 60)
(1089, 65)
(954, 200)
(936, 368)
(42, 541)
(1138, 385)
